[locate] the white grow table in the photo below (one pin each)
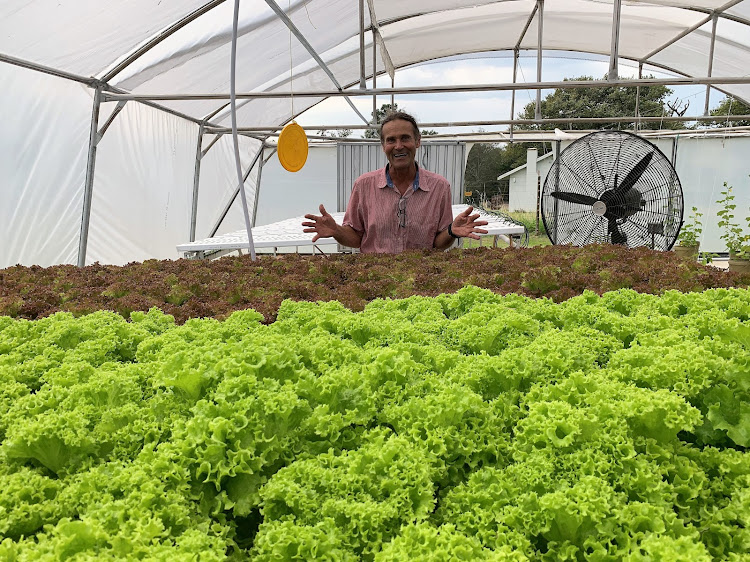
(289, 234)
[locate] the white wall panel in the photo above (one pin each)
(218, 182)
(703, 165)
(286, 194)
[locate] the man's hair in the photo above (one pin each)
(402, 115)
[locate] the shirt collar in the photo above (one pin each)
(389, 181)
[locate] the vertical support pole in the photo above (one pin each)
(88, 189)
(557, 188)
(393, 97)
(614, 52)
(196, 182)
(538, 200)
(362, 82)
(638, 98)
(715, 19)
(513, 92)
(374, 78)
(540, 26)
(257, 183)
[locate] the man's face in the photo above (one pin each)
(399, 144)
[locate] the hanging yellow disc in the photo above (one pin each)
(292, 147)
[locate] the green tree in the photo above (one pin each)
(340, 134)
(488, 161)
(483, 165)
(605, 101)
(729, 106)
(380, 114)
(514, 155)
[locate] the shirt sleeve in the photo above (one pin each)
(446, 208)
(353, 216)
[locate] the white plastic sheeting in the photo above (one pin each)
(81, 36)
(143, 180)
(43, 162)
(142, 195)
(414, 32)
(89, 39)
(143, 186)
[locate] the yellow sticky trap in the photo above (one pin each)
(292, 147)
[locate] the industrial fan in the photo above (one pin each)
(612, 186)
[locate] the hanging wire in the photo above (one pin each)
(661, 122)
(523, 78)
(308, 16)
(291, 67)
(729, 111)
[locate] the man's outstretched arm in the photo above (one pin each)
(324, 226)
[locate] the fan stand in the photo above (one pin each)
(655, 228)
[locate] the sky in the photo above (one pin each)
(483, 106)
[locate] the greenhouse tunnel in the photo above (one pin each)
(117, 127)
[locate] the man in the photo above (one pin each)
(400, 207)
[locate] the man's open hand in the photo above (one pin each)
(323, 225)
(466, 225)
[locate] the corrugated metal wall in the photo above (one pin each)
(444, 158)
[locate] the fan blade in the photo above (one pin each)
(634, 175)
(622, 211)
(574, 197)
(616, 235)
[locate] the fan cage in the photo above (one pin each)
(594, 164)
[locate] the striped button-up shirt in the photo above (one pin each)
(392, 223)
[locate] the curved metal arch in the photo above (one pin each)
(665, 4)
(710, 14)
(161, 36)
(688, 31)
(158, 38)
(652, 64)
(532, 12)
(313, 53)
